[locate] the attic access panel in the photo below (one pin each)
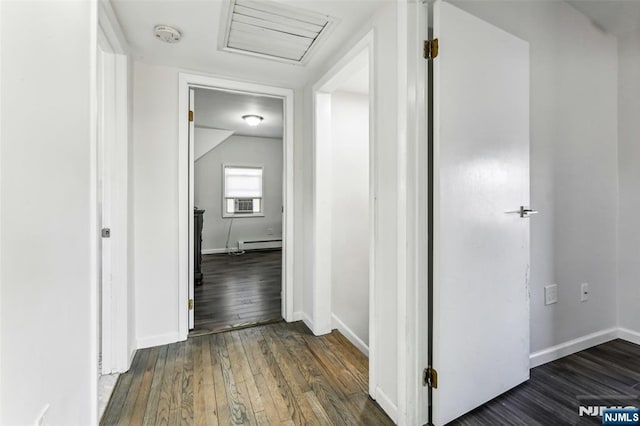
(274, 31)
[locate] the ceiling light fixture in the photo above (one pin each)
(252, 120)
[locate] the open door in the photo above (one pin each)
(106, 89)
(480, 328)
(192, 130)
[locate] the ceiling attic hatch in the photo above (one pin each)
(274, 30)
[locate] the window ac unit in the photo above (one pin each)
(244, 205)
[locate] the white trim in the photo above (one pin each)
(132, 354)
(387, 405)
(116, 297)
(185, 199)
(338, 324)
(94, 241)
(214, 251)
(297, 316)
(572, 346)
(109, 25)
(629, 335)
(308, 322)
(322, 220)
(412, 208)
(90, 198)
(157, 340)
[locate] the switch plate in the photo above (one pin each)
(551, 294)
(584, 292)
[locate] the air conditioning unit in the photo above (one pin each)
(243, 205)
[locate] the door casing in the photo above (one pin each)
(186, 82)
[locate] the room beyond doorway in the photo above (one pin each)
(238, 204)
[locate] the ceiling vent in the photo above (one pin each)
(274, 31)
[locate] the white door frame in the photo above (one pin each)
(115, 295)
(321, 323)
(185, 187)
(413, 212)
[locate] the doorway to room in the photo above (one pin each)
(238, 209)
(344, 212)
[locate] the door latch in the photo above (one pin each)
(524, 212)
(106, 232)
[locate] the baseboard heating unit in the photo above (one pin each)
(259, 245)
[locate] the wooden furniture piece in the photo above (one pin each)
(198, 220)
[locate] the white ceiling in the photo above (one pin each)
(618, 17)
(224, 110)
(200, 22)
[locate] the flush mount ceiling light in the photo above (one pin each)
(252, 120)
(166, 33)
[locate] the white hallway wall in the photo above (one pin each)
(350, 221)
(155, 140)
(573, 165)
(386, 131)
(48, 311)
(243, 151)
(629, 175)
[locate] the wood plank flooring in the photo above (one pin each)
(275, 374)
(238, 291)
(551, 396)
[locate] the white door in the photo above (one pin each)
(191, 307)
(481, 252)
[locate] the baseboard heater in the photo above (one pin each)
(259, 245)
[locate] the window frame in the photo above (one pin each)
(228, 215)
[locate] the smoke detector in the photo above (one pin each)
(167, 34)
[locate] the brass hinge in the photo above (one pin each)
(430, 51)
(190, 115)
(430, 377)
(191, 304)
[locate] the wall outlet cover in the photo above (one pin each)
(551, 294)
(584, 292)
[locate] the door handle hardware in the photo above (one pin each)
(524, 212)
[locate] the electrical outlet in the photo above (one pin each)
(551, 294)
(584, 292)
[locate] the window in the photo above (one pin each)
(242, 191)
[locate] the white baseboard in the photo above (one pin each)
(132, 354)
(385, 403)
(307, 321)
(215, 251)
(629, 335)
(572, 346)
(349, 334)
(159, 340)
(297, 316)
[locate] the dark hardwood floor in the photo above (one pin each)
(238, 291)
(608, 374)
(275, 374)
